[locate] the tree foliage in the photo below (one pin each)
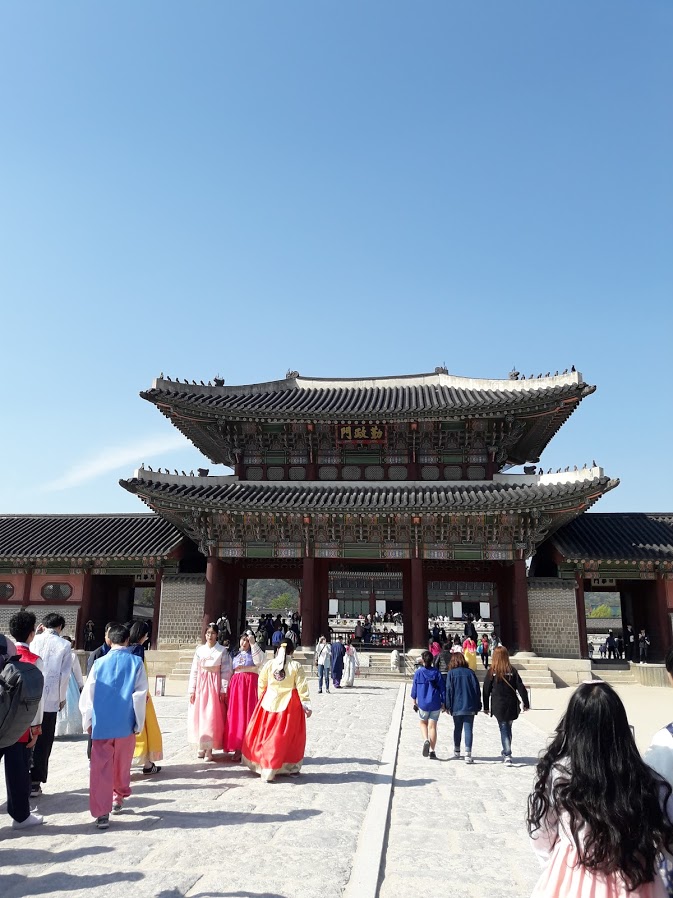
(602, 611)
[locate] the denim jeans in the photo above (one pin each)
(323, 671)
(506, 737)
(460, 721)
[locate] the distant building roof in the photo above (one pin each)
(628, 536)
(57, 536)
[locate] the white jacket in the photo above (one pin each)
(56, 654)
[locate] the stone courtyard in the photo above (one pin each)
(214, 830)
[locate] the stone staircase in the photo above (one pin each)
(183, 664)
(615, 673)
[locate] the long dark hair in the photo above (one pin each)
(593, 772)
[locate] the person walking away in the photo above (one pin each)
(113, 704)
(611, 646)
(149, 742)
(17, 756)
(323, 661)
(56, 654)
(427, 692)
(643, 646)
(275, 740)
(485, 648)
(242, 693)
(443, 660)
(351, 665)
(469, 630)
(208, 682)
(102, 649)
(598, 816)
(470, 653)
(502, 688)
(338, 653)
(463, 701)
(277, 637)
(69, 719)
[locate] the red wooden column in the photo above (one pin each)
(419, 606)
(581, 616)
(214, 591)
(321, 596)
(520, 596)
(156, 607)
(231, 603)
(664, 599)
(406, 604)
(28, 585)
(308, 616)
(372, 601)
(85, 608)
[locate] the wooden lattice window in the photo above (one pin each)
(56, 592)
(6, 590)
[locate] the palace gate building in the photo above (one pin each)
(400, 481)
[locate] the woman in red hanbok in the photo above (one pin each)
(276, 736)
(242, 693)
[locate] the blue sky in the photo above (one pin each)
(342, 188)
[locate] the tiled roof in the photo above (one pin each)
(501, 495)
(86, 536)
(385, 398)
(623, 536)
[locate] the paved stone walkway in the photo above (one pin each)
(208, 830)
(458, 824)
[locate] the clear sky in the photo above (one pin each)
(361, 187)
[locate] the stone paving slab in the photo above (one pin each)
(206, 830)
(457, 823)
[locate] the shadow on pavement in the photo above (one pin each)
(320, 761)
(19, 855)
(17, 886)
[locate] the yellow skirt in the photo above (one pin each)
(149, 745)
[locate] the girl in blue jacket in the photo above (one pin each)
(463, 701)
(427, 691)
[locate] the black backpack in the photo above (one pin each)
(21, 685)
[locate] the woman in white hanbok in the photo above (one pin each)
(351, 665)
(208, 683)
(69, 718)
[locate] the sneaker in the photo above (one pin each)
(33, 819)
(320, 691)
(508, 761)
(117, 807)
(150, 771)
(433, 756)
(426, 748)
(35, 790)
(103, 822)
(468, 757)
(456, 754)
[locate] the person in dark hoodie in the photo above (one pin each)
(443, 660)
(429, 695)
(463, 701)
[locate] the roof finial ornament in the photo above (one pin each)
(573, 368)
(513, 374)
(203, 472)
(565, 370)
(219, 381)
(593, 463)
(556, 373)
(441, 369)
(291, 375)
(161, 376)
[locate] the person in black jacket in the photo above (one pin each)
(502, 688)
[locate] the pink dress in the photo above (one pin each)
(241, 697)
(563, 877)
(209, 677)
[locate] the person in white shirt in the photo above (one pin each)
(56, 654)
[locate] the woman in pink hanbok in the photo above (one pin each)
(208, 681)
(242, 692)
(597, 815)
